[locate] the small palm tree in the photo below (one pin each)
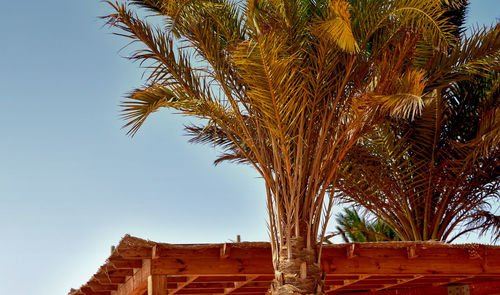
(355, 228)
(288, 87)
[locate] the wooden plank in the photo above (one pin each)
(180, 286)
(399, 282)
(207, 291)
(431, 261)
(212, 251)
(155, 253)
(365, 260)
(246, 290)
(137, 284)
(196, 285)
(453, 280)
(350, 251)
(125, 263)
(486, 288)
(157, 285)
(132, 253)
(88, 291)
(96, 286)
(412, 252)
(238, 285)
(114, 272)
(225, 250)
(107, 280)
(220, 279)
(212, 266)
(348, 283)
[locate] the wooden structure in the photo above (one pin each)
(140, 267)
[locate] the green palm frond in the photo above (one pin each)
(354, 228)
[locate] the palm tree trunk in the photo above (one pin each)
(297, 271)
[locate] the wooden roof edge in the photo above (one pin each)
(134, 242)
(142, 249)
(404, 244)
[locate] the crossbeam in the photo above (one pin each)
(348, 283)
(180, 286)
(399, 282)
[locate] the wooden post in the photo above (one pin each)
(157, 285)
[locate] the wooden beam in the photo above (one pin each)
(88, 291)
(137, 284)
(198, 285)
(212, 266)
(157, 285)
(238, 285)
(180, 286)
(350, 251)
(132, 253)
(394, 261)
(219, 279)
(348, 283)
(155, 252)
(106, 280)
(398, 282)
(411, 251)
(225, 251)
(240, 250)
(112, 271)
(96, 286)
(473, 253)
(453, 280)
(125, 263)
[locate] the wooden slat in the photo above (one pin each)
(196, 285)
(89, 291)
(348, 283)
(125, 263)
(107, 280)
(444, 261)
(96, 286)
(114, 272)
(225, 250)
(212, 266)
(453, 280)
(133, 253)
(212, 251)
(399, 282)
(157, 285)
(220, 279)
(180, 286)
(350, 251)
(411, 252)
(238, 285)
(137, 284)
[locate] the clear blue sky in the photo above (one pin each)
(71, 183)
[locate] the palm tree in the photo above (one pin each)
(355, 228)
(287, 87)
(436, 177)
